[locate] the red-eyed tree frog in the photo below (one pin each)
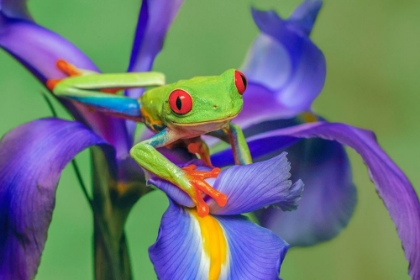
(178, 113)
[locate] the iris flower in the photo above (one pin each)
(33, 155)
(286, 72)
(225, 241)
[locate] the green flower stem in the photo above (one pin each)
(111, 206)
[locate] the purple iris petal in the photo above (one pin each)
(329, 198)
(154, 21)
(233, 248)
(251, 187)
(248, 187)
(32, 157)
(305, 15)
(15, 9)
(176, 253)
(38, 49)
(258, 148)
(258, 252)
(391, 183)
(173, 192)
(261, 104)
(284, 62)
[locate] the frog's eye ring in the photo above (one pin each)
(180, 102)
(240, 82)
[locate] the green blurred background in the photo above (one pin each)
(372, 51)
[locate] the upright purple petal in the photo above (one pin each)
(154, 21)
(214, 247)
(305, 15)
(38, 49)
(15, 9)
(391, 183)
(283, 61)
(329, 198)
(32, 157)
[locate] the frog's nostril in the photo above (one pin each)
(215, 106)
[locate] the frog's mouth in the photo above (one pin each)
(218, 121)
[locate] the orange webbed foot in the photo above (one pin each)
(201, 187)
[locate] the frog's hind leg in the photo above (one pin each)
(109, 83)
(92, 89)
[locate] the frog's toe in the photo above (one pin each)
(67, 68)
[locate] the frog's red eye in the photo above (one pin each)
(240, 82)
(180, 101)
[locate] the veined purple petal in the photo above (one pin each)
(15, 9)
(38, 49)
(154, 21)
(254, 186)
(258, 253)
(391, 183)
(248, 187)
(32, 157)
(285, 62)
(213, 247)
(329, 198)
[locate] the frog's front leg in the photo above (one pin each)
(187, 179)
(88, 87)
(239, 145)
(235, 137)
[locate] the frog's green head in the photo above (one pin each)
(205, 99)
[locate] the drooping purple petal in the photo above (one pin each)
(391, 183)
(254, 186)
(329, 198)
(214, 247)
(178, 251)
(258, 253)
(283, 61)
(32, 157)
(38, 49)
(154, 21)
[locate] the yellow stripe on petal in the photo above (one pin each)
(214, 243)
